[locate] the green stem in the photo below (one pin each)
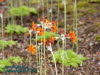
(2, 34)
(54, 63)
(30, 40)
(37, 53)
(75, 15)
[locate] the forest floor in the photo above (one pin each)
(89, 46)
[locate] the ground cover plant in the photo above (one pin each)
(9, 62)
(49, 37)
(16, 29)
(22, 11)
(68, 58)
(4, 44)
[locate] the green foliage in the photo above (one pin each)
(97, 38)
(4, 44)
(22, 11)
(8, 62)
(3, 63)
(68, 58)
(16, 29)
(82, 4)
(47, 35)
(94, 1)
(15, 59)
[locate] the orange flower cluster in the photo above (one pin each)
(2, 0)
(34, 27)
(32, 49)
(72, 36)
(54, 28)
(48, 24)
(46, 21)
(52, 39)
(41, 31)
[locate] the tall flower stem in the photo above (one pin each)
(63, 43)
(44, 54)
(30, 54)
(2, 33)
(21, 3)
(75, 18)
(37, 63)
(54, 62)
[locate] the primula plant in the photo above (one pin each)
(9, 62)
(22, 11)
(16, 29)
(46, 34)
(68, 58)
(4, 44)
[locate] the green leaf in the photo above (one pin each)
(15, 59)
(81, 57)
(4, 44)
(68, 58)
(22, 11)
(16, 29)
(74, 64)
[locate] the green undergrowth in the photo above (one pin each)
(16, 29)
(83, 6)
(4, 44)
(9, 62)
(47, 36)
(22, 11)
(68, 58)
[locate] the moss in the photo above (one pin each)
(97, 38)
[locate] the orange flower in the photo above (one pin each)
(34, 26)
(72, 36)
(41, 31)
(46, 21)
(2, 0)
(44, 41)
(52, 39)
(54, 28)
(32, 49)
(54, 22)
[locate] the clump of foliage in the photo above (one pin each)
(15, 59)
(68, 58)
(8, 62)
(22, 11)
(16, 29)
(4, 63)
(97, 38)
(4, 44)
(47, 35)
